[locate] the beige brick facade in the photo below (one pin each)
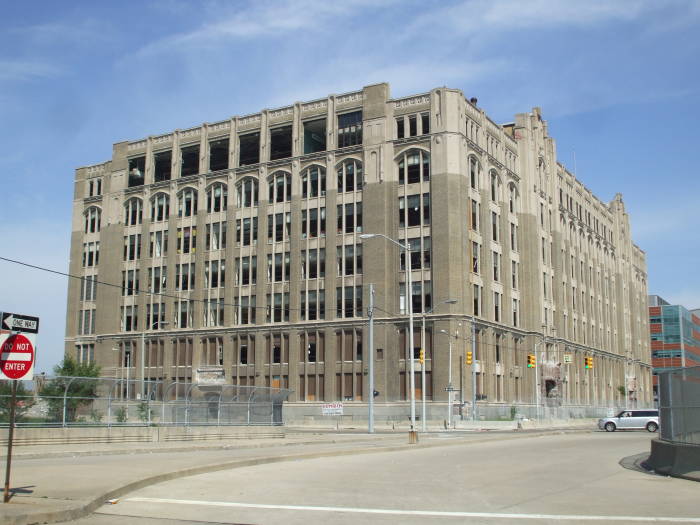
(493, 220)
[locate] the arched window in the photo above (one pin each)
(160, 207)
(350, 176)
(280, 187)
(187, 203)
(512, 198)
(474, 172)
(217, 197)
(247, 193)
(93, 219)
(133, 211)
(495, 186)
(313, 182)
(414, 166)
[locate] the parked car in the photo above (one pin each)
(631, 420)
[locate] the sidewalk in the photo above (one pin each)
(53, 483)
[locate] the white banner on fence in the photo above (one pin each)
(332, 409)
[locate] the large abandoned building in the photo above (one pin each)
(236, 253)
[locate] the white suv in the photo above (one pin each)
(631, 420)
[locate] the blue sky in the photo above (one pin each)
(617, 81)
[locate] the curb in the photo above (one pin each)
(80, 511)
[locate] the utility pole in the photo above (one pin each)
(473, 369)
(370, 404)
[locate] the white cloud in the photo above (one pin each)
(22, 70)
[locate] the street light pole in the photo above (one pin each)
(370, 404)
(473, 369)
(409, 297)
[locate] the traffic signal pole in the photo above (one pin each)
(473, 369)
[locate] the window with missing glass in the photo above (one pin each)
(350, 129)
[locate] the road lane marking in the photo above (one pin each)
(431, 513)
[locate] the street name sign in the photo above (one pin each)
(17, 356)
(19, 323)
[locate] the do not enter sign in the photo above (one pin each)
(17, 357)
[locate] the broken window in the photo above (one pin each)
(163, 164)
(414, 167)
(160, 207)
(189, 160)
(350, 176)
(218, 155)
(314, 136)
(93, 217)
(313, 307)
(348, 301)
(187, 203)
(247, 193)
(250, 149)
(133, 211)
(350, 129)
(410, 210)
(137, 171)
(425, 117)
(281, 143)
(217, 198)
(313, 182)
(399, 128)
(280, 187)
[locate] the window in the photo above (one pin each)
(497, 306)
(93, 218)
(279, 226)
(137, 170)
(495, 233)
(420, 253)
(513, 198)
(185, 313)
(158, 245)
(94, 187)
(85, 354)
(184, 276)
(217, 198)
(247, 193)
(214, 312)
(245, 313)
(187, 239)
(132, 247)
(516, 312)
(187, 203)
(313, 263)
(349, 259)
(514, 237)
(400, 133)
(348, 301)
(130, 319)
(214, 274)
(281, 142)
(155, 316)
(88, 288)
(278, 267)
(474, 172)
(496, 258)
(514, 274)
(133, 212)
(425, 121)
(216, 236)
(157, 279)
(421, 296)
(476, 256)
(313, 223)
(414, 166)
(162, 165)
(475, 211)
(249, 149)
(350, 176)
(410, 210)
(189, 160)
(314, 136)
(86, 321)
(278, 308)
(349, 217)
(313, 305)
(91, 254)
(160, 207)
(350, 129)
(218, 154)
(130, 282)
(313, 182)
(477, 290)
(495, 186)
(247, 231)
(280, 187)
(246, 270)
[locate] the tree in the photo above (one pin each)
(80, 391)
(24, 400)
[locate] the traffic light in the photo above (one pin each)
(469, 357)
(531, 363)
(588, 362)
(421, 356)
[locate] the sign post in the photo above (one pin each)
(16, 363)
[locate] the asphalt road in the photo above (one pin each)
(550, 479)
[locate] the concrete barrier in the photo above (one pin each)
(679, 460)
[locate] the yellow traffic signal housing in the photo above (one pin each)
(588, 362)
(469, 357)
(421, 356)
(531, 363)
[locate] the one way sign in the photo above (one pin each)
(19, 323)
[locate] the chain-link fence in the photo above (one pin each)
(85, 401)
(679, 405)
